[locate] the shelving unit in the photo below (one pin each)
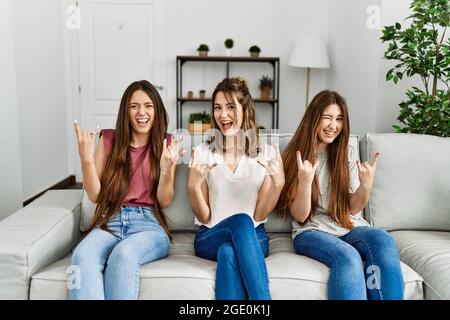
(274, 61)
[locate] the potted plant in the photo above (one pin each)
(202, 94)
(254, 51)
(229, 43)
(199, 122)
(203, 50)
(423, 51)
(266, 85)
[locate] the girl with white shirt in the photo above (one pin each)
(234, 182)
(326, 187)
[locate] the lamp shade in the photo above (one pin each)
(309, 51)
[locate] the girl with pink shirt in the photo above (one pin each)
(130, 176)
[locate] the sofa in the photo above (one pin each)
(410, 199)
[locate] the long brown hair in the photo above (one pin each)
(306, 141)
(117, 173)
(237, 87)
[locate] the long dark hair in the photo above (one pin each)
(306, 141)
(117, 173)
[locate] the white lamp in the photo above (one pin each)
(309, 52)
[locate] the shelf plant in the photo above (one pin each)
(254, 51)
(199, 122)
(203, 50)
(266, 86)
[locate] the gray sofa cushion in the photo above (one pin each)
(428, 253)
(412, 183)
(182, 275)
(35, 236)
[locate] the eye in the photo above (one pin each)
(217, 107)
(132, 106)
(149, 106)
(340, 119)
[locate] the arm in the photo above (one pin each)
(199, 201)
(168, 164)
(267, 199)
(91, 163)
(301, 205)
(198, 189)
(270, 190)
(366, 172)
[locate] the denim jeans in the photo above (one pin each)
(239, 250)
(380, 279)
(109, 263)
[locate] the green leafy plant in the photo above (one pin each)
(265, 82)
(254, 49)
(422, 50)
(229, 43)
(203, 47)
(202, 117)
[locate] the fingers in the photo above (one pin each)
(358, 164)
(316, 165)
(165, 144)
(77, 129)
(375, 159)
(299, 160)
(277, 147)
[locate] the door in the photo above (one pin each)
(119, 42)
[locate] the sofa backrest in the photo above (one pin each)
(412, 181)
(179, 213)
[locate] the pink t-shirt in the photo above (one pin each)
(141, 183)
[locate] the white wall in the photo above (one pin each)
(39, 63)
(10, 169)
(272, 25)
(355, 55)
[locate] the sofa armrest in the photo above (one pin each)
(35, 236)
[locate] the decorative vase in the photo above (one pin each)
(254, 54)
(203, 53)
(228, 52)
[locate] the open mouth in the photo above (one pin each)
(329, 134)
(226, 125)
(142, 122)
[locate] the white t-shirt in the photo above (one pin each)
(321, 220)
(232, 193)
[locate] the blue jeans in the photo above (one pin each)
(380, 279)
(109, 263)
(239, 250)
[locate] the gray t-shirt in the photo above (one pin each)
(321, 220)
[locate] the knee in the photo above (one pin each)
(84, 258)
(381, 239)
(242, 221)
(349, 261)
(123, 255)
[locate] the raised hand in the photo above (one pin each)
(171, 154)
(275, 169)
(306, 170)
(367, 171)
(198, 171)
(86, 143)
